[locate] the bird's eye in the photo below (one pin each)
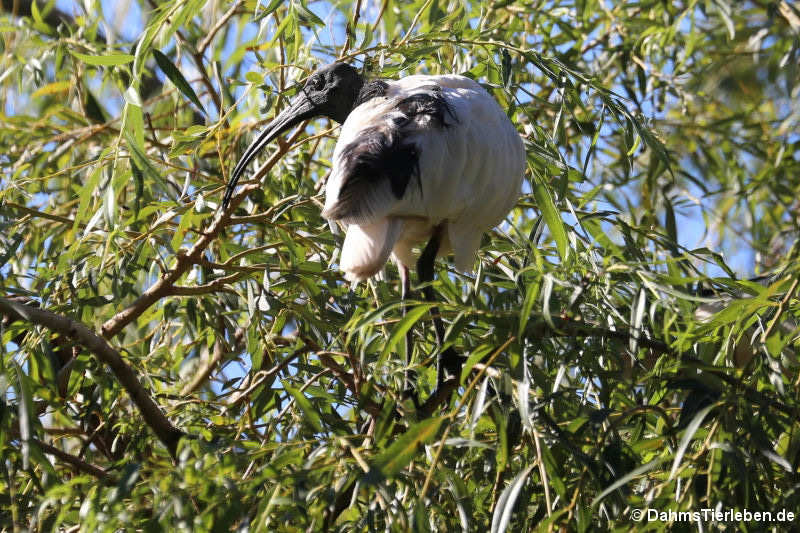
(317, 83)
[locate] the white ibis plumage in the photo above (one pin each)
(422, 159)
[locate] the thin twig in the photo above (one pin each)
(352, 27)
(220, 23)
(76, 462)
(218, 285)
(185, 260)
(781, 309)
(380, 15)
(414, 23)
(219, 352)
(263, 376)
(542, 471)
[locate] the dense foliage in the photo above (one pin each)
(168, 364)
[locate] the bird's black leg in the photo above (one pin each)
(448, 361)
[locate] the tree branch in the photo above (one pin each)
(151, 412)
(565, 327)
(262, 376)
(185, 260)
(77, 463)
(219, 284)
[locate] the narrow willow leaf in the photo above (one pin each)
(272, 6)
(636, 142)
(311, 415)
(547, 293)
(366, 319)
(626, 478)
(691, 429)
(53, 88)
(402, 327)
(637, 319)
(523, 389)
(477, 354)
(307, 16)
(285, 24)
(394, 458)
(109, 60)
(25, 409)
(182, 229)
(531, 294)
(251, 301)
(595, 137)
(86, 194)
(505, 504)
(480, 400)
(548, 209)
(175, 76)
(138, 180)
(505, 65)
(724, 10)
(36, 14)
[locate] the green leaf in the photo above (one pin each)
(25, 409)
(312, 417)
(175, 76)
(551, 216)
(501, 516)
(394, 458)
(109, 60)
(272, 6)
(307, 16)
(531, 294)
(691, 429)
(183, 227)
(402, 327)
(626, 478)
(477, 354)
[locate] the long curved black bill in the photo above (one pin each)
(299, 110)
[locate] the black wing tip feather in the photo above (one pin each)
(380, 154)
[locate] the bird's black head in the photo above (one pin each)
(331, 92)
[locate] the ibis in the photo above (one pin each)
(430, 160)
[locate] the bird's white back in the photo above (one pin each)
(470, 175)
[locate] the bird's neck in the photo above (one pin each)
(369, 90)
